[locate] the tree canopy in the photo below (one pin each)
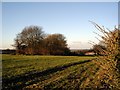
(56, 44)
(32, 40)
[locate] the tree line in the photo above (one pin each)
(32, 40)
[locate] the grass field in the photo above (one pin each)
(51, 72)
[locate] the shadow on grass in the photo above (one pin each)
(30, 78)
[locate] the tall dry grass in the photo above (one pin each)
(110, 61)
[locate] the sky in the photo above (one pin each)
(118, 13)
(1, 25)
(60, 0)
(68, 18)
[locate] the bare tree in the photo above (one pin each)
(29, 41)
(98, 49)
(56, 44)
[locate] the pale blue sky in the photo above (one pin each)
(70, 19)
(60, 0)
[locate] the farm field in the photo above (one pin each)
(52, 72)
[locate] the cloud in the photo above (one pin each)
(78, 42)
(79, 45)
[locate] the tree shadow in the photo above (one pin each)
(30, 78)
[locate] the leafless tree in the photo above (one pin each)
(29, 41)
(56, 44)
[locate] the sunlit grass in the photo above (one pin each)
(14, 65)
(55, 72)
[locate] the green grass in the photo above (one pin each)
(52, 72)
(14, 65)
